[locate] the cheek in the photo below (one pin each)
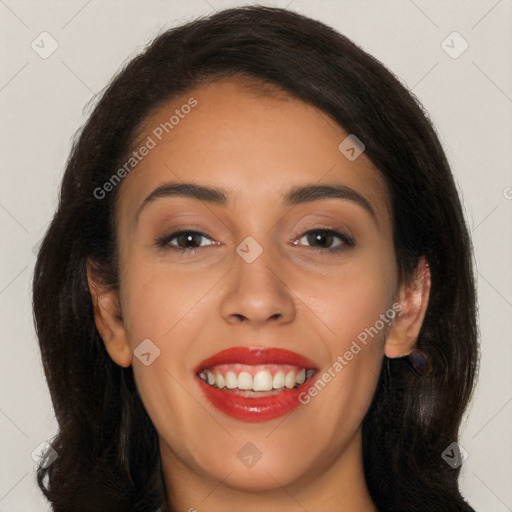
(351, 301)
(166, 308)
(170, 308)
(178, 418)
(158, 299)
(356, 307)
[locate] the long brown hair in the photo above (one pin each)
(108, 456)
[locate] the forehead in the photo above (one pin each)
(255, 143)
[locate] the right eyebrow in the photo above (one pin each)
(209, 194)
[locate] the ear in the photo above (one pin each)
(413, 297)
(109, 321)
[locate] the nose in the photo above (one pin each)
(257, 293)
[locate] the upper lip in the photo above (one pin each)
(256, 355)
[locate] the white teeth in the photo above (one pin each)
(262, 381)
(219, 380)
(231, 380)
(289, 380)
(245, 381)
(278, 381)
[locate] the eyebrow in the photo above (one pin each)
(294, 196)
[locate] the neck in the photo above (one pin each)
(335, 485)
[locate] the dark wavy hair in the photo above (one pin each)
(108, 453)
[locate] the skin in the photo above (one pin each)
(312, 302)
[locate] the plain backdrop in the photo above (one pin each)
(43, 101)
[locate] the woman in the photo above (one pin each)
(202, 347)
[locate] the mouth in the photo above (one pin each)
(255, 383)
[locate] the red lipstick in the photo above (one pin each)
(244, 403)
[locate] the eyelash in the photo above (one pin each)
(164, 241)
(346, 240)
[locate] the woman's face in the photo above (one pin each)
(260, 276)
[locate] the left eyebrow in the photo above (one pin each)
(294, 196)
(304, 194)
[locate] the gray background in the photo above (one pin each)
(44, 101)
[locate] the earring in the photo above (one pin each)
(419, 362)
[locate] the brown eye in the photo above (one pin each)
(186, 241)
(326, 238)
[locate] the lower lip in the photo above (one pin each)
(254, 409)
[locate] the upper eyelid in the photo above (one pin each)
(344, 237)
(200, 231)
(310, 225)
